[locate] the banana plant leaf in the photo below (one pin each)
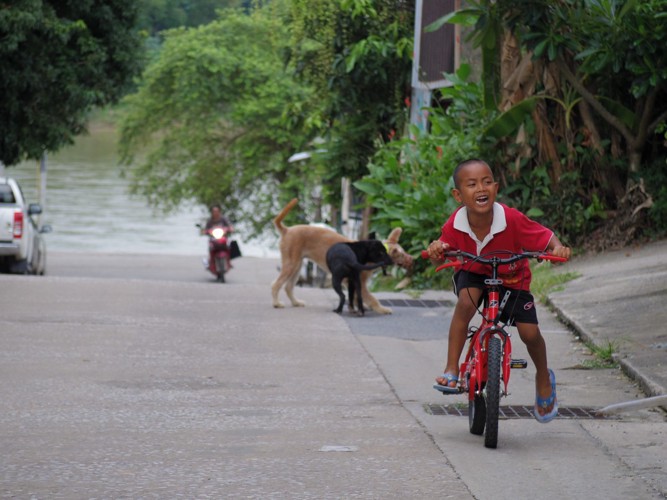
(465, 17)
(508, 122)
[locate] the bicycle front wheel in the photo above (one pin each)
(493, 392)
(476, 411)
(476, 415)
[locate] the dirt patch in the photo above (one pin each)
(626, 225)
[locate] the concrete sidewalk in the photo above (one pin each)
(619, 300)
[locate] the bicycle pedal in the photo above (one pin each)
(519, 363)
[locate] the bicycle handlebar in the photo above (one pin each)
(484, 259)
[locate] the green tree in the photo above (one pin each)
(216, 117)
(606, 59)
(622, 67)
(58, 60)
(357, 54)
(160, 15)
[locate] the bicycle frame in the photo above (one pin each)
(474, 369)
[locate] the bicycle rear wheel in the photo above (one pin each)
(493, 392)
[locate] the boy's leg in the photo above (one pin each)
(465, 309)
(537, 350)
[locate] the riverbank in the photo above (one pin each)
(88, 205)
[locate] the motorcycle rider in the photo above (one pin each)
(216, 220)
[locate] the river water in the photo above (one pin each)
(88, 205)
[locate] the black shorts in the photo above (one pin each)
(520, 308)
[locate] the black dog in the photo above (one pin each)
(347, 260)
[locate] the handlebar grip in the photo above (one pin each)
(553, 258)
(455, 263)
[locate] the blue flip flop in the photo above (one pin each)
(544, 403)
(446, 389)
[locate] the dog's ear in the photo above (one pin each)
(394, 235)
(372, 236)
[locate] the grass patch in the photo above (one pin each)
(381, 283)
(604, 355)
(547, 278)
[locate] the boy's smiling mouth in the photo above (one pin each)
(482, 200)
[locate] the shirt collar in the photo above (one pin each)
(498, 224)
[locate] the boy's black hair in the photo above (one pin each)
(464, 164)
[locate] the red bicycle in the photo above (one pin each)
(489, 355)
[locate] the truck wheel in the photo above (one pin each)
(19, 267)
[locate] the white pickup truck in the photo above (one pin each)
(22, 249)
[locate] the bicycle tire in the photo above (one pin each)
(477, 415)
(493, 392)
(476, 411)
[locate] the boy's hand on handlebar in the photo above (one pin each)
(436, 250)
(562, 251)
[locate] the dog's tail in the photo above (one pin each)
(278, 221)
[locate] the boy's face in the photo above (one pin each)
(477, 189)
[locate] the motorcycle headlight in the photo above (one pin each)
(218, 233)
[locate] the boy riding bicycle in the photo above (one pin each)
(480, 226)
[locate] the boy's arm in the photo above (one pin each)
(556, 248)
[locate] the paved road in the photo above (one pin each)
(139, 377)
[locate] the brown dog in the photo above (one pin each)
(312, 242)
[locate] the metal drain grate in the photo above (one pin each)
(416, 303)
(516, 412)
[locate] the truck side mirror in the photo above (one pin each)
(34, 209)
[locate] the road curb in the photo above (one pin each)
(646, 384)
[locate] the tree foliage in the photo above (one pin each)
(216, 116)
(602, 65)
(223, 107)
(357, 55)
(57, 61)
(610, 52)
(160, 15)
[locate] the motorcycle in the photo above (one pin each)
(219, 251)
